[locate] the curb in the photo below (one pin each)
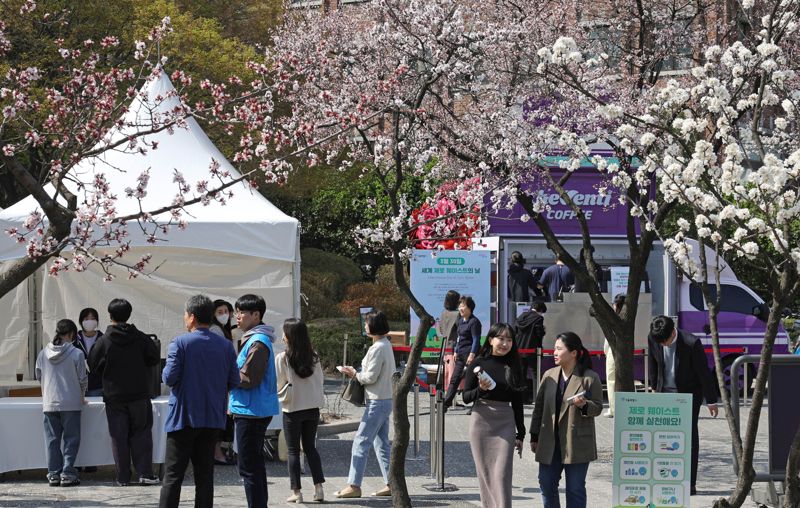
(330, 429)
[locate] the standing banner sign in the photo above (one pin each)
(652, 450)
(435, 272)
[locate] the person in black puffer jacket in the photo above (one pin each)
(530, 335)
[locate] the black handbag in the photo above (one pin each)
(353, 392)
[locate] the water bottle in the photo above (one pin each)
(486, 378)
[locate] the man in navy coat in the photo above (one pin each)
(201, 369)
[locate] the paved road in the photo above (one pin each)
(29, 488)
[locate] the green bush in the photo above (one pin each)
(383, 294)
(323, 280)
(327, 336)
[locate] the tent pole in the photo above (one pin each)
(296, 275)
(35, 320)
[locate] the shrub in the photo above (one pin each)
(323, 279)
(327, 336)
(382, 294)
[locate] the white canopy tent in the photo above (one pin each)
(245, 246)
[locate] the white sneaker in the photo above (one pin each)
(295, 498)
(608, 414)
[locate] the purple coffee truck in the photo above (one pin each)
(742, 318)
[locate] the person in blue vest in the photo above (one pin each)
(255, 401)
(201, 368)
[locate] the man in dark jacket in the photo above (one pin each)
(125, 355)
(530, 335)
(522, 284)
(678, 364)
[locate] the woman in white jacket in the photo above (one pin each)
(377, 369)
(61, 369)
(300, 390)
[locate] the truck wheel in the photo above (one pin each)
(727, 362)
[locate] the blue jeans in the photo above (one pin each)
(550, 475)
(250, 443)
(372, 432)
(58, 425)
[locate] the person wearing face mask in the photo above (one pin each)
(87, 337)
(222, 319)
(222, 326)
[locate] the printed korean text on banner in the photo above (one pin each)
(652, 450)
(434, 273)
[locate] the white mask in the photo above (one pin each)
(223, 319)
(89, 325)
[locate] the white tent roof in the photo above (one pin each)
(248, 224)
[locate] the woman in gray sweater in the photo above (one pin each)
(377, 369)
(61, 368)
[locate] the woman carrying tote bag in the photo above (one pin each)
(377, 369)
(300, 390)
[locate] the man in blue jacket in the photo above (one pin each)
(200, 369)
(255, 401)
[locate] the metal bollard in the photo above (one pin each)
(416, 420)
(432, 434)
(746, 385)
(646, 371)
(538, 375)
(344, 356)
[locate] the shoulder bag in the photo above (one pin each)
(353, 392)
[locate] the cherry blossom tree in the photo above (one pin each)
(722, 142)
(58, 118)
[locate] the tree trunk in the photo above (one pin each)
(402, 385)
(792, 497)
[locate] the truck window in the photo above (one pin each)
(734, 298)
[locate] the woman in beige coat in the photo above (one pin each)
(562, 428)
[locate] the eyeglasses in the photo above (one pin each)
(242, 312)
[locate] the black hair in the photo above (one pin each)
(377, 322)
(85, 312)
(252, 303)
(64, 327)
(661, 328)
(226, 327)
(539, 306)
(201, 307)
(619, 302)
(120, 310)
(517, 258)
(573, 342)
(468, 301)
(514, 375)
(299, 352)
(451, 300)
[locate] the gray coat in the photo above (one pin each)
(61, 368)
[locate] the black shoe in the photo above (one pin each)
(693, 491)
(70, 482)
(149, 480)
(54, 481)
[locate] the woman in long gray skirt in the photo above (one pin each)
(496, 427)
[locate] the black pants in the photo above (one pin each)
(130, 425)
(250, 443)
(697, 403)
(458, 372)
(297, 426)
(184, 445)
